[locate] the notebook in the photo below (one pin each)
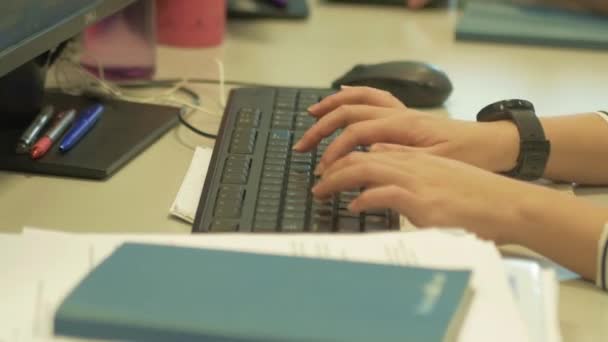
(504, 22)
(162, 293)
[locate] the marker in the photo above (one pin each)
(81, 127)
(33, 130)
(279, 3)
(43, 144)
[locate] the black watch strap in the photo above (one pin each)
(534, 148)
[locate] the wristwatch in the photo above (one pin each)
(533, 147)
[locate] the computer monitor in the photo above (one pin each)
(32, 33)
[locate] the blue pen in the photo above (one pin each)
(279, 3)
(82, 126)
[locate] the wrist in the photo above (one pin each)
(503, 138)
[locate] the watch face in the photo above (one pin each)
(506, 105)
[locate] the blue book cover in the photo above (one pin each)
(505, 22)
(162, 293)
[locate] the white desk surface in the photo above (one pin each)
(313, 52)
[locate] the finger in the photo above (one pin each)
(392, 197)
(360, 171)
(384, 147)
(349, 178)
(339, 118)
(355, 95)
(362, 133)
(397, 160)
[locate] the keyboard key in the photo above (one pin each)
(223, 225)
(279, 134)
(278, 148)
(273, 174)
(296, 201)
(293, 225)
(321, 226)
(248, 117)
(272, 181)
(231, 192)
(271, 188)
(346, 213)
(287, 124)
(234, 178)
(271, 195)
(276, 161)
(267, 210)
(228, 211)
(292, 215)
(273, 168)
(349, 224)
(269, 202)
(265, 225)
(276, 155)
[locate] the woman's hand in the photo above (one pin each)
(433, 191)
(370, 116)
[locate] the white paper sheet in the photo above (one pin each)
(493, 314)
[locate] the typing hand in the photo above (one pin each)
(431, 191)
(372, 117)
(349, 105)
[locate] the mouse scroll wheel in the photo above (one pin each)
(428, 84)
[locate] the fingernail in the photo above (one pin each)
(297, 146)
(313, 107)
(352, 209)
(319, 169)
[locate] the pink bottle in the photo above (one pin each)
(191, 23)
(124, 43)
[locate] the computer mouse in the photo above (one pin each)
(416, 84)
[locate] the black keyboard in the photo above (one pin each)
(256, 183)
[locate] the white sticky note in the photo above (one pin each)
(186, 201)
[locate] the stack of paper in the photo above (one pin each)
(41, 267)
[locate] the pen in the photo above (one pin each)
(279, 3)
(33, 130)
(81, 127)
(44, 144)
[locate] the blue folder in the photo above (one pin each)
(503, 22)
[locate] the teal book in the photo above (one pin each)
(163, 293)
(504, 22)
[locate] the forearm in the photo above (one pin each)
(579, 148)
(562, 227)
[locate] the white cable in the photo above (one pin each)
(88, 82)
(604, 116)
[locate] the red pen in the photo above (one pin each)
(44, 144)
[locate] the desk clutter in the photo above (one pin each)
(82, 137)
(431, 285)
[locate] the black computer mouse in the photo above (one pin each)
(416, 84)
